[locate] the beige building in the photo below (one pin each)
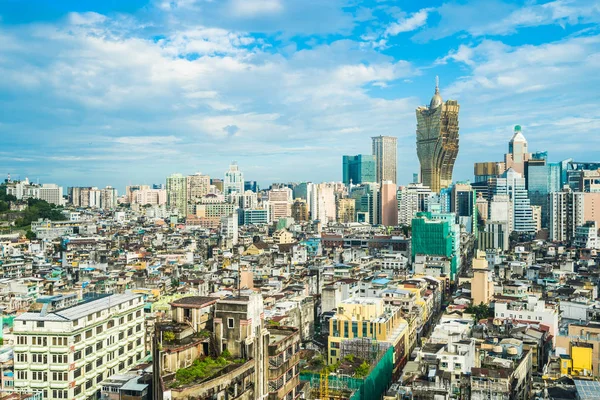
(536, 211)
(482, 284)
(386, 161)
(198, 185)
(591, 207)
(437, 141)
(518, 152)
(280, 203)
(283, 236)
(345, 210)
(389, 204)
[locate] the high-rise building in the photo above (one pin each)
(482, 286)
(108, 198)
(483, 207)
(24, 190)
(177, 193)
(463, 200)
(234, 180)
(322, 202)
(389, 204)
(543, 178)
(513, 184)
(495, 235)
(487, 170)
(385, 151)
(280, 203)
(412, 199)
(566, 214)
(591, 207)
(257, 216)
(358, 169)
(437, 235)
(67, 352)
(198, 186)
(518, 152)
(346, 210)
(501, 211)
(251, 185)
(437, 141)
(300, 210)
(130, 191)
(229, 228)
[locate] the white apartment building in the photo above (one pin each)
(66, 353)
(412, 199)
(530, 310)
(566, 213)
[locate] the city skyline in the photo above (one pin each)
(116, 94)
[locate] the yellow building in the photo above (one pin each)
(283, 236)
(346, 210)
(482, 284)
(580, 337)
(579, 363)
(367, 317)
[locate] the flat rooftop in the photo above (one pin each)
(80, 310)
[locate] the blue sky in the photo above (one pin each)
(119, 92)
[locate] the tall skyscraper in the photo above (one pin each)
(234, 180)
(358, 169)
(543, 178)
(412, 199)
(566, 214)
(513, 185)
(518, 153)
(386, 158)
(177, 193)
(437, 141)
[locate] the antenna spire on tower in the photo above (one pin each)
(437, 84)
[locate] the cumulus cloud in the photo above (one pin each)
(408, 24)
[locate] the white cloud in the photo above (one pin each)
(253, 8)
(408, 24)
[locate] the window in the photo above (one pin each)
(60, 376)
(90, 317)
(89, 367)
(76, 322)
(39, 358)
(59, 358)
(99, 330)
(22, 375)
(21, 339)
(98, 346)
(77, 355)
(40, 324)
(89, 350)
(77, 391)
(230, 323)
(88, 334)
(21, 357)
(77, 338)
(39, 376)
(99, 362)
(77, 373)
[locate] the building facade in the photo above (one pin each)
(437, 141)
(234, 180)
(358, 169)
(385, 152)
(177, 193)
(67, 353)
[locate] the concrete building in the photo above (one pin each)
(437, 141)
(412, 199)
(518, 152)
(346, 210)
(198, 186)
(280, 203)
(482, 284)
(155, 197)
(234, 180)
(531, 309)
(566, 214)
(177, 194)
(66, 352)
(322, 202)
(488, 170)
(591, 207)
(513, 184)
(229, 228)
(358, 169)
(385, 151)
(300, 210)
(437, 235)
(586, 236)
(542, 179)
(24, 190)
(389, 204)
(257, 216)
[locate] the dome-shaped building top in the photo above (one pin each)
(436, 100)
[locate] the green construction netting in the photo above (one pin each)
(370, 388)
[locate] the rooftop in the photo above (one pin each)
(80, 310)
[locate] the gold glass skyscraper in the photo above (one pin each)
(437, 141)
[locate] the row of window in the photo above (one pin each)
(520, 316)
(90, 317)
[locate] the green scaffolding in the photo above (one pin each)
(370, 388)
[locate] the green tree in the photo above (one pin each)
(482, 311)
(30, 235)
(362, 370)
(168, 336)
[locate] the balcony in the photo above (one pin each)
(59, 367)
(21, 348)
(59, 385)
(59, 349)
(38, 349)
(38, 367)
(38, 384)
